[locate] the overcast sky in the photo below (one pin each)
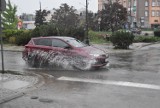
(29, 6)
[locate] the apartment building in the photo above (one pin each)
(148, 13)
(142, 13)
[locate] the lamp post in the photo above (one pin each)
(2, 8)
(86, 34)
(99, 24)
(130, 13)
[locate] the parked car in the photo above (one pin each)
(45, 50)
(136, 30)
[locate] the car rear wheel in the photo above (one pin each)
(33, 61)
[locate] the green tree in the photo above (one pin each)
(92, 20)
(113, 16)
(9, 19)
(65, 18)
(40, 17)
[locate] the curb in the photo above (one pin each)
(9, 98)
(146, 45)
(13, 48)
(22, 91)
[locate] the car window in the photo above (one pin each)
(45, 42)
(76, 43)
(59, 43)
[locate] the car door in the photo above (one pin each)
(38, 53)
(61, 47)
(43, 44)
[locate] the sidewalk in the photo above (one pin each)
(7, 47)
(13, 86)
(110, 48)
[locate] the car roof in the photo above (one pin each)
(54, 37)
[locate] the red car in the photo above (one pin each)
(62, 51)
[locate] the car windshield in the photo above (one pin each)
(76, 43)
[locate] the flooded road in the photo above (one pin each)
(13, 61)
(131, 81)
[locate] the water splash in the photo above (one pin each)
(52, 59)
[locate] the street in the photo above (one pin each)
(131, 81)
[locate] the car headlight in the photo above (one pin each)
(95, 55)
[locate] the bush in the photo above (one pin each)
(78, 33)
(146, 39)
(19, 37)
(121, 39)
(35, 32)
(9, 34)
(52, 30)
(48, 30)
(12, 40)
(157, 33)
(23, 38)
(44, 30)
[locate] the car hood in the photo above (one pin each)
(92, 50)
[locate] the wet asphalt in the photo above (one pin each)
(131, 81)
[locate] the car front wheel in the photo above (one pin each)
(80, 63)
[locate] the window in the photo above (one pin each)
(142, 23)
(42, 41)
(157, 13)
(153, 13)
(146, 3)
(158, 2)
(146, 13)
(153, 2)
(76, 43)
(59, 43)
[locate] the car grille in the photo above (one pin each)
(101, 59)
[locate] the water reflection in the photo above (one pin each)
(147, 60)
(13, 61)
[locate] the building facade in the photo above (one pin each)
(142, 13)
(125, 3)
(28, 21)
(148, 13)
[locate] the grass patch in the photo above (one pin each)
(98, 37)
(146, 39)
